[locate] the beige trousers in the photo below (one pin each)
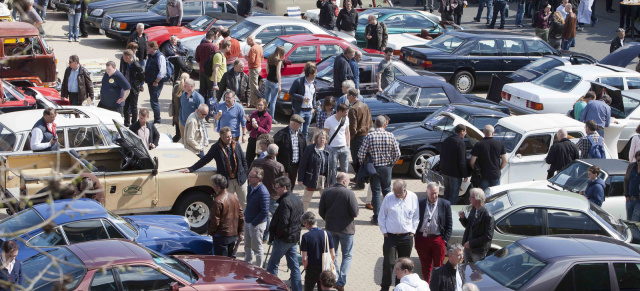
(239, 190)
(306, 198)
(253, 84)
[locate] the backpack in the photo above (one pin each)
(597, 150)
(169, 75)
(208, 66)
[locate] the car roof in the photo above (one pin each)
(305, 37)
(225, 16)
(71, 210)
(390, 10)
(492, 33)
(547, 198)
(20, 121)
(597, 70)
(17, 29)
(477, 109)
(610, 166)
(100, 253)
(429, 82)
(530, 122)
(581, 246)
(262, 20)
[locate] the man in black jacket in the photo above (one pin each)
(347, 20)
(478, 226)
(342, 70)
(237, 81)
(453, 163)
(289, 154)
(174, 52)
(230, 163)
(444, 278)
(339, 207)
(327, 15)
(80, 90)
(134, 73)
(561, 154)
(141, 39)
(434, 230)
(284, 232)
(148, 133)
(618, 41)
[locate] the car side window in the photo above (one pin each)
(303, 54)
(485, 47)
(192, 8)
(538, 48)
(633, 83)
(512, 47)
(588, 276)
(535, 145)
(269, 33)
(613, 82)
(85, 230)
(571, 222)
(628, 275)
(527, 222)
(416, 21)
(8, 140)
(111, 230)
(327, 50)
(397, 72)
(85, 137)
(394, 21)
(574, 134)
(103, 281)
(212, 6)
(61, 140)
(295, 29)
(143, 278)
(44, 239)
(365, 74)
(615, 186)
(432, 97)
(482, 121)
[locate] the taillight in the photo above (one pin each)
(506, 96)
(426, 64)
(535, 105)
(286, 97)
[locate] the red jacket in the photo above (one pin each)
(264, 124)
(203, 52)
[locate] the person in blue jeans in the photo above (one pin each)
(42, 8)
(500, 6)
(481, 4)
(155, 71)
(520, 13)
(303, 96)
(490, 155)
(272, 85)
(284, 232)
(75, 14)
(632, 189)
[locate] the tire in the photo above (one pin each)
(195, 207)
(419, 163)
(463, 81)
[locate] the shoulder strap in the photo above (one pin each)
(326, 242)
(337, 130)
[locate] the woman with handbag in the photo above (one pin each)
(318, 252)
(313, 168)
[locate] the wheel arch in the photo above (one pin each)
(468, 69)
(186, 192)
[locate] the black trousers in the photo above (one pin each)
(293, 174)
(73, 99)
(224, 245)
(179, 66)
(131, 108)
(206, 88)
(251, 150)
(356, 143)
(394, 247)
(312, 277)
(83, 23)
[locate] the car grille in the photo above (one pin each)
(106, 23)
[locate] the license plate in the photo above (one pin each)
(101, 31)
(412, 60)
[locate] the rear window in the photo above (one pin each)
(558, 80)
(22, 220)
(541, 66)
(446, 43)
(270, 47)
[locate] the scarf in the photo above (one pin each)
(232, 174)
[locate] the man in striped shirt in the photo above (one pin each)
(384, 151)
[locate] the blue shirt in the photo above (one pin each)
(597, 111)
(343, 99)
(189, 105)
(356, 71)
(72, 82)
(232, 117)
(312, 242)
(112, 89)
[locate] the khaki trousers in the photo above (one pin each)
(253, 84)
(240, 191)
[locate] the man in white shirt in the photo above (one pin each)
(562, 10)
(43, 133)
(337, 128)
(398, 220)
(453, 271)
(11, 270)
(409, 281)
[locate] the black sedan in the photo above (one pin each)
(470, 57)
(96, 10)
(420, 141)
(567, 263)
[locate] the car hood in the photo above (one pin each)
(112, 5)
(180, 31)
(622, 56)
(175, 222)
(136, 16)
(224, 270)
(481, 280)
(415, 133)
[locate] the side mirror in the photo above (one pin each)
(287, 62)
(519, 156)
(174, 286)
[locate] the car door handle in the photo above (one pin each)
(506, 61)
(112, 190)
(475, 61)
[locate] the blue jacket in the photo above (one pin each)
(297, 94)
(597, 111)
(595, 191)
(15, 276)
(309, 167)
(257, 208)
(187, 107)
(356, 72)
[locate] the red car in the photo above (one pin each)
(23, 98)
(122, 265)
(200, 26)
(303, 48)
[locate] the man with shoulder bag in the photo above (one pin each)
(315, 245)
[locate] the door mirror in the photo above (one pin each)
(519, 156)
(174, 286)
(287, 62)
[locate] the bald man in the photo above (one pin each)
(490, 156)
(562, 153)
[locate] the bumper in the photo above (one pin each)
(402, 168)
(121, 36)
(94, 21)
(517, 110)
(284, 108)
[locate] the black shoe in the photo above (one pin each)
(157, 121)
(374, 221)
(353, 180)
(430, 10)
(476, 19)
(489, 26)
(84, 35)
(501, 27)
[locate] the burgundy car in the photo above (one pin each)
(122, 265)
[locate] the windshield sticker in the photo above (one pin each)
(131, 190)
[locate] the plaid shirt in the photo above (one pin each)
(383, 147)
(295, 157)
(321, 116)
(585, 145)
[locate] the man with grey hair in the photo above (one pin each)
(450, 277)
(488, 158)
(384, 151)
(140, 38)
(231, 114)
(226, 222)
(434, 230)
(618, 41)
(256, 214)
(478, 226)
(346, 85)
(339, 208)
(312, 245)
(235, 80)
(189, 102)
(562, 153)
(194, 135)
(398, 220)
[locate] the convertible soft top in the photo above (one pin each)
(428, 82)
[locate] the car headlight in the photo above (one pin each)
(97, 12)
(119, 25)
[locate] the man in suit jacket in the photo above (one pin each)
(11, 269)
(478, 226)
(444, 278)
(618, 41)
(82, 88)
(237, 81)
(148, 131)
(289, 154)
(434, 230)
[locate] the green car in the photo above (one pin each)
(399, 20)
(521, 213)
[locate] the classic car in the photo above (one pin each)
(25, 54)
(86, 220)
(116, 264)
(119, 25)
(97, 10)
(559, 262)
(422, 140)
(468, 58)
(521, 213)
(137, 180)
(63, 5)
(557, 90)
(18, 99)
(368, 67)
(573, 178)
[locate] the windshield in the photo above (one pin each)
(123, 225)
(507, 136)
(542, 66)
(609, 221)
(20, 222)
(270, 47)
(65, 265)
(174, 266)
(325, 69)
(402, 93)
(7, 139)
(446, 43)
(558, 80)
(363, 17)
(574, 177)
(132, 141)
(512, 266)
(241, 30)
(108, 134)
(160, 8)
(200, 24)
